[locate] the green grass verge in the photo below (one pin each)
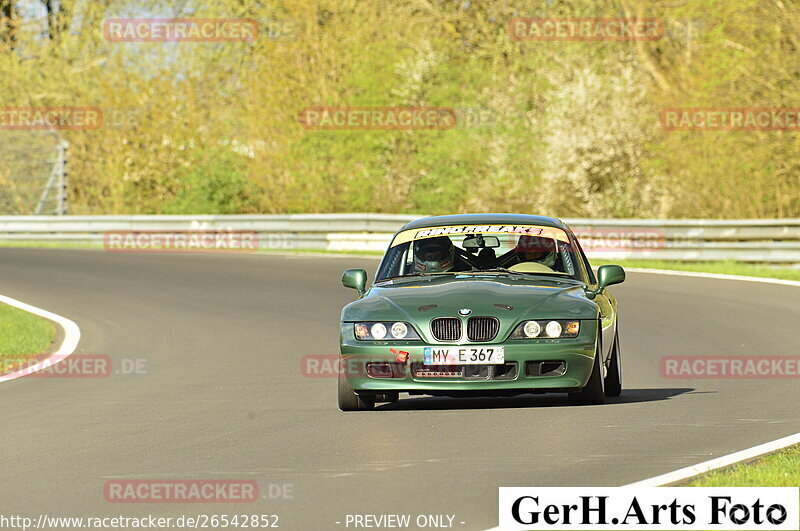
(22, 335)
(781, 469)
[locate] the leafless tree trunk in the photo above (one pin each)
(58, 18)
(8, 23)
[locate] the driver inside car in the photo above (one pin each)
(436, 255)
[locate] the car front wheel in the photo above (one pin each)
(594, 391)
(349, 400)
(614, 379)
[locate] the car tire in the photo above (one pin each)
(614, 378)
(594, 391)
(349, 400)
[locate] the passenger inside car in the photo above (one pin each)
(532, 254)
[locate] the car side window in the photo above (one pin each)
(390, 264)
(397, 262)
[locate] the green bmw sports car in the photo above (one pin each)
(481, 304)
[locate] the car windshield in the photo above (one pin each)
(480, 253)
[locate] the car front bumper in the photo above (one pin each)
(577, 355)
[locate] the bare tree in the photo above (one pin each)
(8, 23)
(58, 17)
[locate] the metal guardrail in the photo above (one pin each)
(759, 240)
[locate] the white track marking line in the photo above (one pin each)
(72, 335)
(730, 459)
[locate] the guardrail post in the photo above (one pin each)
(62, 178)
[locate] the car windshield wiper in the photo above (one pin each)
(512, 272)
(491, 270)
(413, 274)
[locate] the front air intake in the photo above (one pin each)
(482, 328)
(446, 328)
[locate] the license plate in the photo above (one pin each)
(463, 356)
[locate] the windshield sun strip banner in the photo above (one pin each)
(456, 230)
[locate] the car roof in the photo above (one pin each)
(484, 219)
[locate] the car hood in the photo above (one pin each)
(505, 297)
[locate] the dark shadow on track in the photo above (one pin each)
(632, 396)
(629, 396)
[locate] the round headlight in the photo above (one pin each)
(399, 330)
(553, 329)
(378, 331)
(532, 329)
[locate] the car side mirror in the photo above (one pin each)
(607, 275)
(356, 279)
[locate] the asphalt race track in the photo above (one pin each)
(223, 395)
